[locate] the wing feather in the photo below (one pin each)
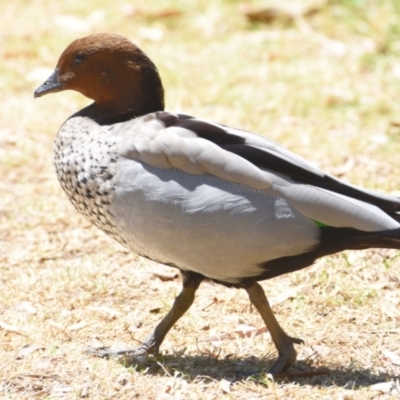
(199, 147)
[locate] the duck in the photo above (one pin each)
(216, 202)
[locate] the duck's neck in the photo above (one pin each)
(106, 115)
(128, 102)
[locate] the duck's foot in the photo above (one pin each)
(283, 342)
(151, 345)
(287, 355)
(128, 357)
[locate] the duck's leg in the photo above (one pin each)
(283, 342)
(151, 345)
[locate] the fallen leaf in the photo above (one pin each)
(77, 326)
(225, 384)
(27, 307)
(105, 310)
(383, 387)
(28, 349)
(11, 328)
(84, 391)
(41, 393)
(244, 330)
(392, 357)
(288, 294)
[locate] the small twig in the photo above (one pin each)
(214, 300)
(164, 369)
(382, 331)
(39, 376)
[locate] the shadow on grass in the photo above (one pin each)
(195, 368)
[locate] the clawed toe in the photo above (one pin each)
(127, 357)
(287, 356)
(296, 340)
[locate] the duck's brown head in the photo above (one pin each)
(111, 70)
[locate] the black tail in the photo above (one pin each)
(333, 240)
(391, 238)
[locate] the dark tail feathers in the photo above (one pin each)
(333, 240)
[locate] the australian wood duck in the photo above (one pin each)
(213, 201)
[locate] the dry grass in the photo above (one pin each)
(328, 89)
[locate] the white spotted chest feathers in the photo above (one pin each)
(86, 167)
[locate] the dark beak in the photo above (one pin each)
(51, 85)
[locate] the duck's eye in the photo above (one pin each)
(79, 59)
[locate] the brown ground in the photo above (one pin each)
(326, 86)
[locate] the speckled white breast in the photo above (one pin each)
(85, 160)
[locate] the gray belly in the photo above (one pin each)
(205, 224)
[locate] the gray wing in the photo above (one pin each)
(198, 147)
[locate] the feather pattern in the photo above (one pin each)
(206, 150)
